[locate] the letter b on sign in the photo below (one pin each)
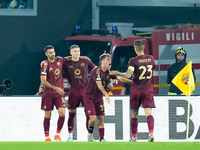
(175, 119)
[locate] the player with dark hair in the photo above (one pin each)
(98, 81)
(142, 68)
(76, 69)
(51, 78)
(175, 68)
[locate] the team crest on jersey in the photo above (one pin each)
(77, 72)
(50, 69)
(71, 66)
(45, 107)
(58, 63)
(82, 65)
(185, 78)
(57, 72)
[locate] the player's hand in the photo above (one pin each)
(60, 91)
(107, 98)
(115, 81)
(114, 73)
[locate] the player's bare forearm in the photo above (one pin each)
(124, 80)
(46, 83)
(125, 75)
(101, 88)
(50, 86)
(123, 91)
(67, 57)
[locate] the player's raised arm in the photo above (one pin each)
(102, 89)
(127, 74)
(124, 80)
(68, 57)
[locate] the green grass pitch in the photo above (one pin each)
(99, 146)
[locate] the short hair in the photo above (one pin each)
(74, 46)
(103, 56)
(48, 47)
(139, 44)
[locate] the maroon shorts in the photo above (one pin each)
(51, 99)
(94, 107)
(145, 98)
(76, 96)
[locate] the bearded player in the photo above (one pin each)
(53, 95)
(142, 68)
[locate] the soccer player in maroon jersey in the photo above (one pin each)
(142, 68)
(98, 81)
(76, 69)
(51, 78)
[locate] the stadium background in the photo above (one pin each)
(22, 38)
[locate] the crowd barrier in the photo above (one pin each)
(21, 119)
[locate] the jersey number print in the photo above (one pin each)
(144, 70)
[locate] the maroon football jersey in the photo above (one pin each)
(143, 72)
(77, 72)
(54, 73)
(97, 74)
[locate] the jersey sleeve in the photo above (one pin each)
(131, 65)
(63, 60)
(90, 64)
(94, 75)
(43, 71)
(113, 76)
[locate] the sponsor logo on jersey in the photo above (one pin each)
(57, 77)
(71, 66)
(77, 72)
(50, 69)
(57, 72)
(78, 77)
